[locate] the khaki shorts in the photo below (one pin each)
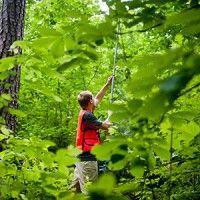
(85, 171)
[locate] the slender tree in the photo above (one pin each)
(11, 29)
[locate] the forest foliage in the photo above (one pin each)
(153, 148)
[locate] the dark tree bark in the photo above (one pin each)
(11, 29)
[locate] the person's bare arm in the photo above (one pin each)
(103, 90)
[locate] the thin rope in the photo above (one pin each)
(115, 61)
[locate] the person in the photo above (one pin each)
(87, 137)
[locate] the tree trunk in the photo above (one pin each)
(11, 29)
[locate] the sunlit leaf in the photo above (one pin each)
(137, 171)
(16, 112)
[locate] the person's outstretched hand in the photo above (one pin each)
(106, 124)
(109, 81)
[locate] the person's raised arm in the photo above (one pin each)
(103, 90)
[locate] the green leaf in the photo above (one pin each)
(43, 43)
(74, 61)
(117, 165)
(120, 111)
(53, 73)
(69, 44)
(72, 151)
(66, 59)
(57, 48)
(64, 159)
(7, 63)
(165, 126)
(16, 112)
(57, 98)
(90, 52)
(23, 197)
(174, 84)
(46, 91)
(134, 104)
(6, 97)
(179, 39)
(101, 186)
(128, 187)
(5, 130)
(46, 144)
(154, 107)
(151, 68)
(137, 171)
(161, 151)
(4, 75)
(45, 32)
(189, 130)
(183, 115)
(23, 44)
(193, 29)
(105, 150)
(2, 137)
(185, 18)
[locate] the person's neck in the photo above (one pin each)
(89, 109)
